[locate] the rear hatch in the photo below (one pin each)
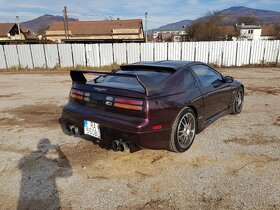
(122, 92)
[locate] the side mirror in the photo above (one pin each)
(228, 79)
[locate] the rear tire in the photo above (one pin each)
(238, 101)
(183, 130)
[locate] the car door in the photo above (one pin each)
(216, 93)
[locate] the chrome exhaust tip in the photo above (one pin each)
(73, 130)
(119, 145)
(116, 145)
(123, 146)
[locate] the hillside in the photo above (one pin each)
(263, 16)
(230, 16)
(175, 26)
(172, 26)
(42, 23)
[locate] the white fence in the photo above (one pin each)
(220, 53)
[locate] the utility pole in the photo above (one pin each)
(146, 25)
(65, 20)
(17, 17)
(184, 33)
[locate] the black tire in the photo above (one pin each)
(176, 144)
(238, 101)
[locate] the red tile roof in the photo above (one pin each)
(5, 28)
(104, 27)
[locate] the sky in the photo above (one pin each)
(160, 12)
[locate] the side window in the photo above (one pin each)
(189, 81)
(206, 75)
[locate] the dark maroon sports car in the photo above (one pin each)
(156, 105)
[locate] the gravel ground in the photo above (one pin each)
(233, 164)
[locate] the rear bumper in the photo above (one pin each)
(114, 127)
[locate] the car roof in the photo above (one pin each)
(165, 64)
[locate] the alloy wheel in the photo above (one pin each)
(186, 130)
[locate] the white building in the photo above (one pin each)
(250, 32)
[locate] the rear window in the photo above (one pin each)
(155, 75)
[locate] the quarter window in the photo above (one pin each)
(190, 82)
(206, 75)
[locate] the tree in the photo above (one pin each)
(247, 20)
(277, 32)
(206, 28)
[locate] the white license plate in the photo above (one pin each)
(92, 129)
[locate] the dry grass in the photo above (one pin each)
(59, 69)
(115, 66)
(262, 65)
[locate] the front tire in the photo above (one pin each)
(183, 130)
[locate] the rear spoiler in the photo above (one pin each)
(149, 87)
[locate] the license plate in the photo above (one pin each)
(92, 129)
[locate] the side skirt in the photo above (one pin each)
(215, 117)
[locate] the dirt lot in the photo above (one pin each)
(234, 163)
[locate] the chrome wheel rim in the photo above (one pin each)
(239, 100)
(186, 130)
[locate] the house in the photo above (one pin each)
(248, 32)
(9, 34)
(169, 35)
(252, 32)
(29, 35)
(10, 31)
(96, 31)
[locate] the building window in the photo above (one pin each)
(250, 31)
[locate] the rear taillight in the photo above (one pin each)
(129, 101)
(131, 104)
(77, 94)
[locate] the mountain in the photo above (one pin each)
(175, 26)
(41, 23)
(230, 16)
(263, 16)
(172, 26)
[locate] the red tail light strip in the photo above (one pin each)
(125, 103)
(127, 106)
(76, 96)
(129, 101)
(77, 92)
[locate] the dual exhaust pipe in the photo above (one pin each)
(119, 145)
